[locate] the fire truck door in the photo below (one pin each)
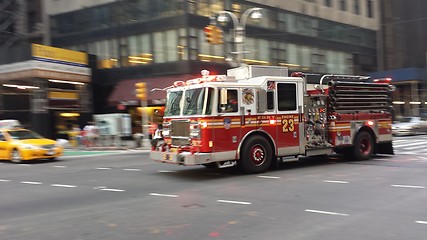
(227, 130)
(289, 108)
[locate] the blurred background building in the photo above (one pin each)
(402, 53)
(159, 42)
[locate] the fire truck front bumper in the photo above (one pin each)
(183, 158)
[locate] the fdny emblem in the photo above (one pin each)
(227, 123)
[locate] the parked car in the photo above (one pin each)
(409, 126)
(19, 144)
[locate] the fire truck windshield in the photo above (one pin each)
(198, 101)
(194, 99)
(173, 103)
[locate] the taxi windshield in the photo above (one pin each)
(23, 134)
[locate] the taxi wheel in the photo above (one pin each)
(15, 156)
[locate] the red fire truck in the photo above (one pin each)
(256, 116)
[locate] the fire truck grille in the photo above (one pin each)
(180, 133)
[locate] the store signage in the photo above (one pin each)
(58, 55)
(63, 95)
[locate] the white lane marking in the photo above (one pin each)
(63, 185)
(163, 195)
(25, 165)
(32, 183)
(421, 222)
(166, 171)
(269, 177)
(4, 180)
(334, 181)
(111, 189)
(58, 166)
(410, 144)
(103, 168)
(411, 148)
(406, 153)
(233, 202)
(132, 169)
(325, 212)
(408, 186)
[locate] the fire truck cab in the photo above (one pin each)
(257, 115)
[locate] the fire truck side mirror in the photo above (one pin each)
(262, 101)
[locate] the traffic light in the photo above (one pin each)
(209, 34)
(213, 34)
(141, 90)
(219, 36)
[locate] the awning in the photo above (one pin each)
(124, 91)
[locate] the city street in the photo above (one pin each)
(124, 195)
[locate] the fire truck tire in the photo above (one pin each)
(363, 146)
(256, 155)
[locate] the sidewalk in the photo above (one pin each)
(97, 150)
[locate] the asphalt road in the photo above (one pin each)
(127, 196)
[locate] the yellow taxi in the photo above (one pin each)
(19, 144)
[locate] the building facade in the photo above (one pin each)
(402, 53)
(145, 38)
(163, 41)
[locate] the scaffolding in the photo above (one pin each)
(13, 22)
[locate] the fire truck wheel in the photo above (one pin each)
(363, 146)
(256, 155)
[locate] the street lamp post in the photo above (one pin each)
(238, 32)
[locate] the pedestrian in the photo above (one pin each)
(90, 133)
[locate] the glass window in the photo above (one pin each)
(286, 96)
(270, 100)
(356, 6)
(370, 8)
(281, 22)
(194, 99)
(232, 103)
(203, 8)
(182, 44)
(173, 103)
(278, 53)
(305, 53)
(293, 61)
(209, 101)
(264, 50)
(159, 48)
(171, 45)
(327, 3)
(114, 52)
(343, 5)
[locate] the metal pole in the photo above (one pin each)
(239, 32)
(144, 123)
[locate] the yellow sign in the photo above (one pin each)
(58, 54)
(63, 95)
